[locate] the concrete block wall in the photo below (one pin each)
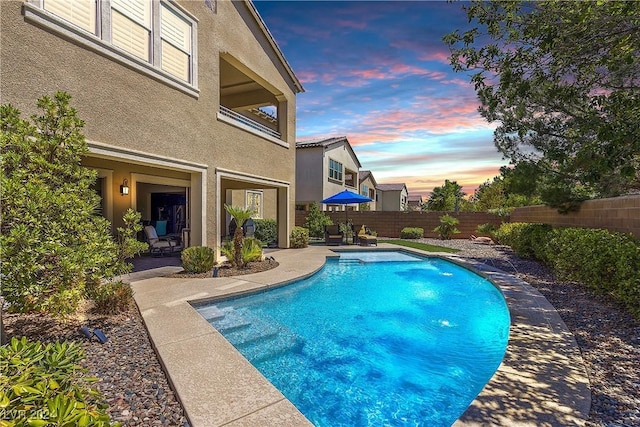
(390, 224)
(620, 214)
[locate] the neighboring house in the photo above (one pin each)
(324, 167)
(368, 186)
(415, 202)
(184, 103)
(392, 197)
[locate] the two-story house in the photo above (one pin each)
(185, 103)
(324, 167)
(392, 197)
(368, 186)
(415, 202)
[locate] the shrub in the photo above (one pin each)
(299, 237)
(197, 259)
(266, 230)
(486, 228)
(111, 297)
(51, 236)
(608, 263)
(47, 384)
(316, 220)
(412, 233)
(526, 240)
(447, 227)
(251, 250)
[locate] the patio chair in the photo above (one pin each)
(333, 235)
(160, 246)
(357, 230)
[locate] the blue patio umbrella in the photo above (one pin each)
(346, 197)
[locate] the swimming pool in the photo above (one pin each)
(366, 341)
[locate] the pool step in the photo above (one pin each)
(255, 338)
(270, 348)
(258, 330)
(231, 321)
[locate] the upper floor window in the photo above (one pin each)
(365, 190)
(159, 33)
(335, 170)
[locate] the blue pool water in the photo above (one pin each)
(373, 339)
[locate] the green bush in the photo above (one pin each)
(45, 385)
(447, 227)
(111, 297)
(299, 237)
(316, 220)
(608, 263)
(251, 250)
(52, 242)
(266, 230)
(197, 259)
(486, 228)
(412, 233)
(526, 240)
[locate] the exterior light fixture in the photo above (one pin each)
(124, 188)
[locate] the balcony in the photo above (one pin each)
(248, 122)
(251, 103)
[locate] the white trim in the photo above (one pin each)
(36, 15)
(251, 179)
(100, 150)
(249, 129)
(111, 151)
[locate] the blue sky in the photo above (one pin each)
(378, 72)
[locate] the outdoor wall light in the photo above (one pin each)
(124, 188)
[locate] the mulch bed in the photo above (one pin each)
(226, 270)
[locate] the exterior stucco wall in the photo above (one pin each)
(342, 154)
(370, 186)
(309, 175)
(126, 108)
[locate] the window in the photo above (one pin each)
(80, 13)
(335, 170)
(131, 26)
(364, 191)
(151, 35)
(254, 202)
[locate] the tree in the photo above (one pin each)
(316, 220)
(240, 215)
(563, 81)
(445, 198)
(53, 241)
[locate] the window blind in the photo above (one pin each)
(176, 43)
(79, 12)
(131, 26)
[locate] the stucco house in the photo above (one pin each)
(188, 105)
(392, 197)
(415, 202)
(325, 166)
(368, 186)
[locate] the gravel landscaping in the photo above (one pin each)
(134, 385)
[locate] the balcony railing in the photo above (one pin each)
(248, 122)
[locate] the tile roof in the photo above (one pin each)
(320, 142)
(391, 187)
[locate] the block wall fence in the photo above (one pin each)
(615, 214)
(620, 214)
(389, 224)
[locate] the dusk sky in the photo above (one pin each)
(378, 73)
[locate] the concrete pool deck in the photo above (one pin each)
(540, 382)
